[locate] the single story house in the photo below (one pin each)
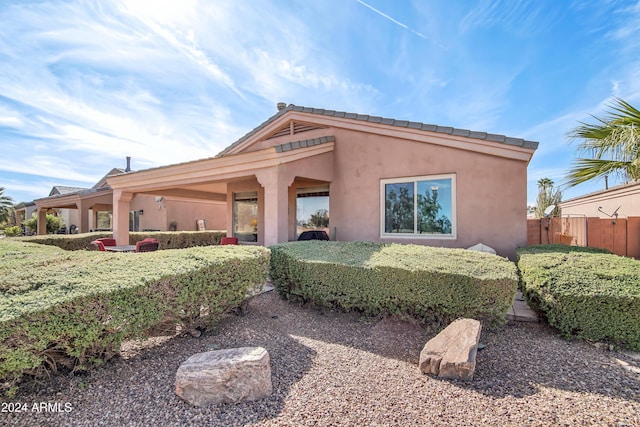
(621, 200)
(89, 209)
(360, 177)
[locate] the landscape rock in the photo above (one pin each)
(225, 376)
(452, 353)
(481, 247)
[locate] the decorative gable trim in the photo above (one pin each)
(293, 128)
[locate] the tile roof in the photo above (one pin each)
(387, 121)
(63, 189)
(304, 143)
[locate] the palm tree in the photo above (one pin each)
(613, 146)
(547, 196)
(6, 206)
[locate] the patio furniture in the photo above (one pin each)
(229, 241)
(107, 241)
(146, 246)
(98, 245)
(314, 235)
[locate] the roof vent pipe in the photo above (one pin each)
(128, 169)
(282, 105)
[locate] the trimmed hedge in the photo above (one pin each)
(585, 293)
(74, 309)
(431, 284)
(167, 239)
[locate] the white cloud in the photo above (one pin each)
(524, 17)
(48, 166)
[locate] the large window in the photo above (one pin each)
(245, 216)
(419, 207)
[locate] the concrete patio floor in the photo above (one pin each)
(520, 311)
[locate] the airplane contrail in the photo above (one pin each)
(384, 15)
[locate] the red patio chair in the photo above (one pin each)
(229, 241)
(107, 241)
(146, 246)
(98, 245)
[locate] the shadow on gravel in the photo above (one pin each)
(517, 361)
(521, 358)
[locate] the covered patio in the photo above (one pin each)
(86, 202)
(259, 187)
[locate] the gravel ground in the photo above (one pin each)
(332, 368)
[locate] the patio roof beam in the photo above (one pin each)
(188, 194)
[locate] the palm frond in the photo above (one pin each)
(612, 143)
(584, 170)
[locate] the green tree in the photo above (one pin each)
(54, 223)
(428, 210)
(547, 196)
(611, 146)
(399, 211)
(6, 207)
(320, 219)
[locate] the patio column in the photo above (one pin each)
(42, 221)
(121, 203)
(84, 217)
(276, 204)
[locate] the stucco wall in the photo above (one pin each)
(490, 194)
(187, 213)
(490, 190)
(158, 215)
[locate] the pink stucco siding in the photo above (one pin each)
(490, 191)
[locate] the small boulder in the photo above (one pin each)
(481, 247)
(225, 376)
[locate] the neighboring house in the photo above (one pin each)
(24, 210)
(69, 216)
(89, 209)
(622, 200)
(371, 178)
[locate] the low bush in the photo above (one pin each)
(12, 231)
(431, 284)
(180, 239)
(585, 293)
(167, 239)
(68, 242)
(74, 309)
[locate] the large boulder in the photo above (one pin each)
(452, 353)
(225, 376)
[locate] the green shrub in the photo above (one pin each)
(74, 309)
(585, 293)
(180, 239)
(54, 223)
(431, 284)
(168, 240)
(12, 231)
(68, 242)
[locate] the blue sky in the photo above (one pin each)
(85, 83)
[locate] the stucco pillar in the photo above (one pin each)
(121, 202)
(42, 221)
(276, 184)
(83, 212)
